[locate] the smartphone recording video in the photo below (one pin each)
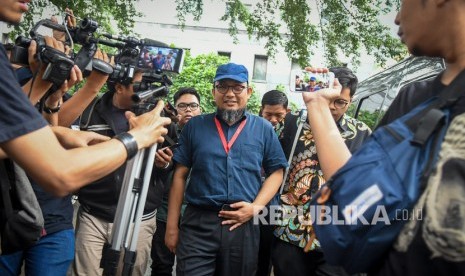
(161, 58)
(310, 80)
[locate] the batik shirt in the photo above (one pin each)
(305, 177)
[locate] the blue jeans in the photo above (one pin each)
(51, 255)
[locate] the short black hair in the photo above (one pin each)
(274, 97)
(184, 91)
(346, 78)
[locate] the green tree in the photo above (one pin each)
(199, 72)
(371, 118)
(121, 12)
(344, 27)
(291, 105)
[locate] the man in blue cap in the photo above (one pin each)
(158, 61)
(312, 85)
(224, 152)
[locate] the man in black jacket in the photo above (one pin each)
(99, 200)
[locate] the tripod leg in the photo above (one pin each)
(130, 253)
(112, 251)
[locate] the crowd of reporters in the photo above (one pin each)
(207, 226)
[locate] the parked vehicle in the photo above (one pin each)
(375, 94)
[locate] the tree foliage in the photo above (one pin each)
(371, 118)
(121, 12)
(198, 72)
(345, 27)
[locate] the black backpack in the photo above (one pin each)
(21, 220)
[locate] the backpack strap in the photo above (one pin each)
(430, 121)
(84, 119)
(301, 121)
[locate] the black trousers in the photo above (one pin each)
(289, 259)
(162, 258)
(264, 253)
(208, 248)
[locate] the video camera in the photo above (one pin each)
(58, 64)
(61, 64)
(152, 56)
(83, 34)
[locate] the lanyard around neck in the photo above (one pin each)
(228, 145)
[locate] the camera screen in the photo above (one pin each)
(162, 58)
(305, 81)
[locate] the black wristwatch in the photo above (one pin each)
(52, 110)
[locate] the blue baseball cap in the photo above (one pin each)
(312, 79)
(232, 71)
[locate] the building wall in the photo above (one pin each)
(210, 34)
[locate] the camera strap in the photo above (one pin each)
(301, 121)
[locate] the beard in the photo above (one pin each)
(231, 116)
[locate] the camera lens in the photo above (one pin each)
(89, 25)
(23, 41)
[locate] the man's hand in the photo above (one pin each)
(69, 138)
(172, 239)
(149, 127)
(71, 23)
(163, 157)
(96, 79)
(74, 77)
(245, 211)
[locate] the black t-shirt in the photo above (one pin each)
(17, 116)
(418, 259)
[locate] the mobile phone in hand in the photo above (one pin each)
(173, 146)
(310, 81)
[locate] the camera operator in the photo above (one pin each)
(99, 200)
(54, 252)
(28, 140)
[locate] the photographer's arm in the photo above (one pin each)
(73, 107)
(62, 171)
(332, 150)
(174, 206)
(70, 138)
(3, 154)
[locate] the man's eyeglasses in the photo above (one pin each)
(236, 89)
(340, 103)
(184, 106)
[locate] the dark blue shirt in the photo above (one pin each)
(57, 211)
(218, 178)
(18, 116)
